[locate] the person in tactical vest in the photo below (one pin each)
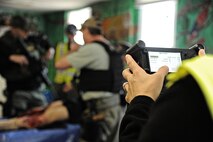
(102, 106)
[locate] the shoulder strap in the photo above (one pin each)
(105, 45)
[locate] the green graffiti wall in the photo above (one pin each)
(195, 23)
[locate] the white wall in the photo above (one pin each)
(157, 24)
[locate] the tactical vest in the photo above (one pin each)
(104, 80)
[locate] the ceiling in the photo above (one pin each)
(53, 5)
(45, 5)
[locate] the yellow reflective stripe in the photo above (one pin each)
(61, 50)
(63, 76)
(202, 70)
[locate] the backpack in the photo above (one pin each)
(104, 80)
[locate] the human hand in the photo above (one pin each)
(49, 54)
(13, 123)
(201, 52)
(22, 122)
(19, 59)
(73, 47)
(67, 87)
(141, 83)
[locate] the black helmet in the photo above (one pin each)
(71, 29)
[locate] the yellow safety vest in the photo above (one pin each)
(201, 68)
(65, 75)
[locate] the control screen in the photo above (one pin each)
(159, 59)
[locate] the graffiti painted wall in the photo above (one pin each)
(120, 19)
(195, 23)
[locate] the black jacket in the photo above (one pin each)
(181, 115)
(17, 77)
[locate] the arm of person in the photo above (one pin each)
(13, 123)
(142, 90)
(62, 63)
(56, 111)
(7, 55)
(19, 59)
(54, 114)
(135, 118)
(180, 114)
(163, 123)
